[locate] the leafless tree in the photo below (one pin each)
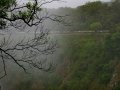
(24, 52)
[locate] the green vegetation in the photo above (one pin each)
(89, 61)
(91, 67)
(92, 15)
(93, 59)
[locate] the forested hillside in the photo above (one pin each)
(92, 60)
(92, 16)
(87, 61)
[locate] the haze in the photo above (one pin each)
(71, 3)
(66, 3)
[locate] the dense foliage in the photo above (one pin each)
(90, 61)
(99, 15)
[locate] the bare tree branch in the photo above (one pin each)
(27, 51)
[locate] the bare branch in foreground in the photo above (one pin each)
(25, 51)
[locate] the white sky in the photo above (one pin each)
(67, 3)
(70, 3)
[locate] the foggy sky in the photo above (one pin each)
(67, 3)
(71, 3)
